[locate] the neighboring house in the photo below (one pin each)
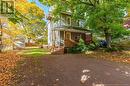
(66, 32)
(19, 42)
(6, 41)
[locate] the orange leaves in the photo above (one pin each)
(21, 7)
(21, 1)
(7, 63)
(26, 8)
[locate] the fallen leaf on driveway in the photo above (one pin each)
(84, 78)
(86, 70)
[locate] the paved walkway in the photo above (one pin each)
(72, 70)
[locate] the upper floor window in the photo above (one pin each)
(68, 20)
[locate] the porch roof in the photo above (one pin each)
(71, 30)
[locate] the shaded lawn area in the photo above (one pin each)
(120, 56)
(34, 52)
(117, 56)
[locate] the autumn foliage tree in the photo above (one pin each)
(101, 16)
(30, 18)
(33, 25)
(27, 22)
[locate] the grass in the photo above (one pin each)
(34, 52)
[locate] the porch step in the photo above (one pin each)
(58, 51)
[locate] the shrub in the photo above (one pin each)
(81, 47)
(73, 50)
(91, 46)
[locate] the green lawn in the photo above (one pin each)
(34, 52)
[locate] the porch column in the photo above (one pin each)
(64, 38)
(59, 38)
(50, 34)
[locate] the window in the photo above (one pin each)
(69, 21)
(75, 36)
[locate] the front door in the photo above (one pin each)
(68, 35)
(68, 42)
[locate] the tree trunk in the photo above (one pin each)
(108, 38)
(29, 39)
(1, 44)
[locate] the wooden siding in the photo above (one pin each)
(74, 38)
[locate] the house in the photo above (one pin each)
(66, 32)
(7, 42)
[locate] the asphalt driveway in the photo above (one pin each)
(71, 70)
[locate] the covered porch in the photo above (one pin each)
(69, 37)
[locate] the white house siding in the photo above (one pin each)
(53, 36)
(7, 48)
(54, 29)
(57, 39)
(50, 33)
